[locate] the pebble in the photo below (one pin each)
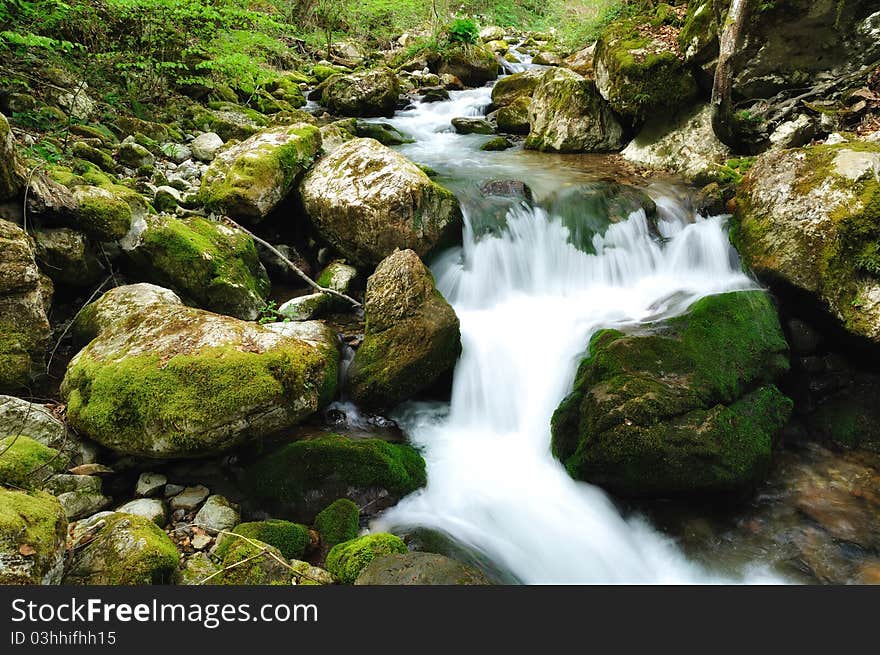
(190, 498)
(149, 484)
(149, 508)
(201, 541)
(173, 489)
(217, 515)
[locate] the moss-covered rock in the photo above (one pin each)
(698, 38)
(213, 264)
(248, 180)
(474, 65)
(348, 559)
(367, 93)
(291, 539)
(134, 155)
(11, 170)
(514, 87)
(228, 120)
(26, 463)
(338, 522)
(514, 118)
(366, 200)
(94, 155)
(24, 328)
(640, 75)
(300, 477)
(250, 562)
(689, 409)
(567, 114)
(412, 334)
(167, 380)
(33, 531)
(419, 569)
(127, 550)
(809, 219)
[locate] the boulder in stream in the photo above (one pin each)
(366, 93)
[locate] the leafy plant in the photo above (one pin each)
(463, 30)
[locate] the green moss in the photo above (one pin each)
(25, 463)
(338, 522)
(33, 519)
(104, 216)
(291, 539)
(93, 155)
(16, 366)
(348, 559)
(678, 411)
(246, 563)
(131, 402)
(215, 266)
(699, 33)
(290, 472)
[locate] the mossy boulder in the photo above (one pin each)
(126, 550)
(567, 114)
(69, 258)
(367, 93)
(301, 477)
(348, 559)
(133, 155)
(691, 408)
(33, 531)
(514, 118)
(24, 327)
(163, 380)
(107, 211)
(11, 169)
(514, 87)
(640, 75)
(291, 539)
(338, 522)
(213, 264)
(419, 569)
(244, 562)
(366, 200)
(248, 180)
(26, 463)
(228, 120)
(698, 38)
(412, 334)
(809, 220)
(98, 157)
(474, 65)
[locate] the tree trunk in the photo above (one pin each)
(729, 42)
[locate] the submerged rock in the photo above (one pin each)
(248, 180)
(302, 477)
(412, 334)
(163, 380)
(567, 114)
(809, 219)
(33, 530)
(689, 409)
(419, 569)
(210, 263)
(366, 200)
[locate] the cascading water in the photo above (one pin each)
(528, 301)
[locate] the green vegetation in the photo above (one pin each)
(348, 559)
(35, 519)
(338, 522)
(291, 539)
(24, 463)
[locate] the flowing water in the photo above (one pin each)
(528, 301)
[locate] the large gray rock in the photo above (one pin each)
(366, 200)
(806, 219)
(160, 379)
(412, 335)
(33, 531)
(567, 114)
(248, 180)
(32, 420)
(79, 495)
(367, 93)
(419, 569)
(24, 328)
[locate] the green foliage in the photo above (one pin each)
(292, 539)
(348, 559)
(338, 522)
(462, 30)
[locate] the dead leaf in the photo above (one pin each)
(91, 469)
(26, 550)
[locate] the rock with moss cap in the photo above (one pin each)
(160, 379)
(26, 463)
(11, 170)
(809, 220)
(300, 478)
(567, 114)
(33, 531)
(248, 180)
(228, 120)
(640, 75)
(24, 327)
(412, 334)
(366, 200)
(249, 562)
(691, 408)
(338, 522)
(348, 559)
(126, 550)
(366, 93)
(214, 265)
(419, 569)
(291, 539)
(474, 65)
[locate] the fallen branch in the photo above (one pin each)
(296, 269)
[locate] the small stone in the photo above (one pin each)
(173, 489)
(304, 308)
(176, 152)
(149, 484)
(135, 155)
(166, 199)
(205, 146)
(190, 498)
(472, 126)
(217, 515)
(201, 541)
(149, 508)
